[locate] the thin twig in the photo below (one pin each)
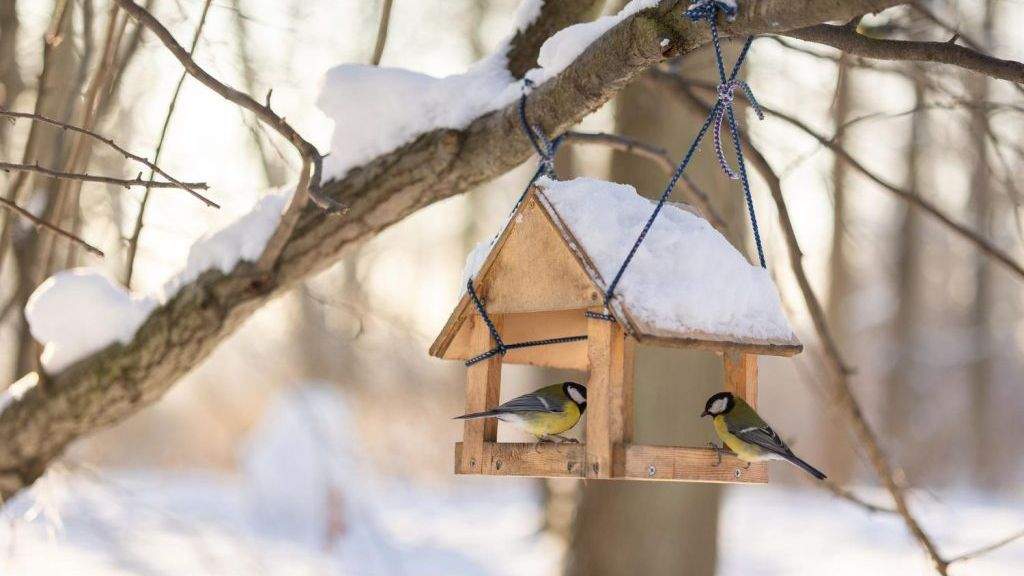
(133, 241)
(40, 222)
(657, 155)
(190, 188)
(85, 177)
(309, 181)
(382, 32)
(986, 549)
(852, 498)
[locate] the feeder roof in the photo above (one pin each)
(686, 286)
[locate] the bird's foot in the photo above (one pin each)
(747, 467)
(718, 452)
(565, 439)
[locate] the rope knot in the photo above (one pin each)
(707, 9)
(544, 147)
(724, 109)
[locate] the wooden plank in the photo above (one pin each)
(741, 375)
(483, 389)
(535, 270)
(690, 465)
(609, 396)
(705, 343)
(546, 459)
(641, 462)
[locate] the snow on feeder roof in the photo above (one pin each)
(686, 287)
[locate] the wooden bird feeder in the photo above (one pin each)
(538, 282)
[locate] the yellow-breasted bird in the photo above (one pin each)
(746, 434)
(545, 413)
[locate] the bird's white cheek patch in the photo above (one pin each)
(718, 406)
(576, 396)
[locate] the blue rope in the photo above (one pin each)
(722, 110)
(544, 147)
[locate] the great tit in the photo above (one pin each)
(545, 413)
(746, 434)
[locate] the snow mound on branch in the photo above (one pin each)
(77, 312)
(378, 109)
(685, 276)
(243, 239)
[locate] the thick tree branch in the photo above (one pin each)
(112, 384)
(852, 42)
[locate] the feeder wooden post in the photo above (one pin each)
(483, 388)
(609, 397)
(741, 375)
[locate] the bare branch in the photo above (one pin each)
(852, 498)
(382, 32)
(986, 549)
(40, 222)
(312, 162)
(657, 155)
(190, 188)
(85, 177)
(853, 42)
(133, 241)
(913, 199)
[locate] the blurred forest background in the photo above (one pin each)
(326, 404)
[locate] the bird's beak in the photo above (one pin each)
(705, 413)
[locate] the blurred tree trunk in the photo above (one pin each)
(11, 84)
(660, 528)
(983, 305)
(839, 463)
(900, 394)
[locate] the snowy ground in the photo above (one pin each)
(156, 524)
(303, 504)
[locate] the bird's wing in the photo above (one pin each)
(531, 403)
(761, 436)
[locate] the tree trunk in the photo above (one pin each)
(660, 528)
(900, 388)
(982, 307)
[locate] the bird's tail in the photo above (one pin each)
(476, 415)
(807, 467)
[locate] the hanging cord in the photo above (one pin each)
(723, 108)
(499, 346)
(544, 147)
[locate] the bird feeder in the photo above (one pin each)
(545, 277)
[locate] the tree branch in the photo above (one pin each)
(852, 42)
(673, 82)
(312, 162)
(133, 240)
(9, 205)
(120, 380)
(86, 177)
(190, 188)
